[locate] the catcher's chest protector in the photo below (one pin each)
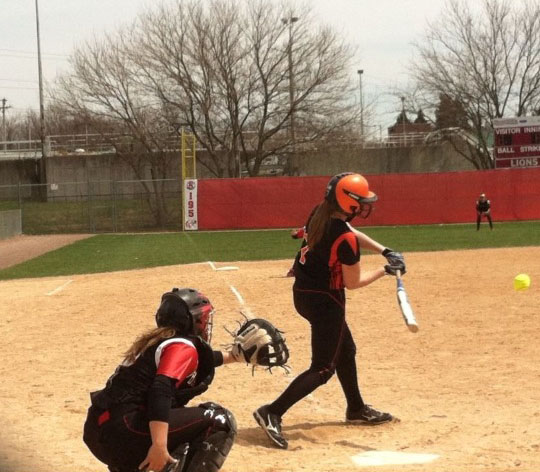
(204, 374)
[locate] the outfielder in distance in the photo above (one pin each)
(140, 420)
(327, 263)
(483, 208)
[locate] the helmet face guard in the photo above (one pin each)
(203, 322)
(364, 211)
(188, 311)
(350, 193)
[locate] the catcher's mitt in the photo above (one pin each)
(259, 342)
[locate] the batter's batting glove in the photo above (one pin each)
(391, 269)
(393, 257)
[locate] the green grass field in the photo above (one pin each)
(105, 253)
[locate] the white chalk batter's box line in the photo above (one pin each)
(213, 266)
(60, 288)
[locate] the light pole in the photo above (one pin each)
(360, 73)
(293, 166)
(4, 134)
(403, 118)
(43, 178)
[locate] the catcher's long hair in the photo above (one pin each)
(319, 222)
(146, 340)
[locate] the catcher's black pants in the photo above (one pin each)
(122, 440)
(332, 350)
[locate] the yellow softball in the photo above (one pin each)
(522, 282)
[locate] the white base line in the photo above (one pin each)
(58, 289)
(237, 295)
(212, 265)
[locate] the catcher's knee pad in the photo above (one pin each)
(223, 419)
(209, 453)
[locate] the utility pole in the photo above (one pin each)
(293, 165)
(4, 135)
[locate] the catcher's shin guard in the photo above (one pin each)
(180, 454)
(209, 454)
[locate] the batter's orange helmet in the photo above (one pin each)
(350, 192)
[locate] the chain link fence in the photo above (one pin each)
(96, 207)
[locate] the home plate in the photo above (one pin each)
(373, 458)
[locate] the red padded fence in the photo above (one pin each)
(285, 202)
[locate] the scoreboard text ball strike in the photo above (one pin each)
(517, 142)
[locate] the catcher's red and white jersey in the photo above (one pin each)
(189, 360)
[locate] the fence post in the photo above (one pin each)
(115, 229)
(19, 198)
(91, 225)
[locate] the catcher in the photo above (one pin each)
(140, 420)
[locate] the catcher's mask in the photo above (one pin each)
(350, 193)
(188, 311)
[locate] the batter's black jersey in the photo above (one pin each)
(483, 206)
(188, 359)
(320, 268)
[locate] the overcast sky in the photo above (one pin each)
(382, 29)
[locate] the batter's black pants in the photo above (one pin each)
(122, 440)
(332, 350)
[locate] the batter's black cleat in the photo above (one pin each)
(368, 415)
(271, 423)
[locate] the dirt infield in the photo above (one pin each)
(466, 387)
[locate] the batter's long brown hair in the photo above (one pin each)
(318, 224)
(146, 340)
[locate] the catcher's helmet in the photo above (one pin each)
(350, 193)
(188, 311)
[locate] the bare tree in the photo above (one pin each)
(487, 62)
(225, 68)
(104, 87)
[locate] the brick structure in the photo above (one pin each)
(409, 133)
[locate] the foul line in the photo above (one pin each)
(237, 295)
(62, 287)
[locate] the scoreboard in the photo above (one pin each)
(517, 142)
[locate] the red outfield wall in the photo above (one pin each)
(285, 202)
